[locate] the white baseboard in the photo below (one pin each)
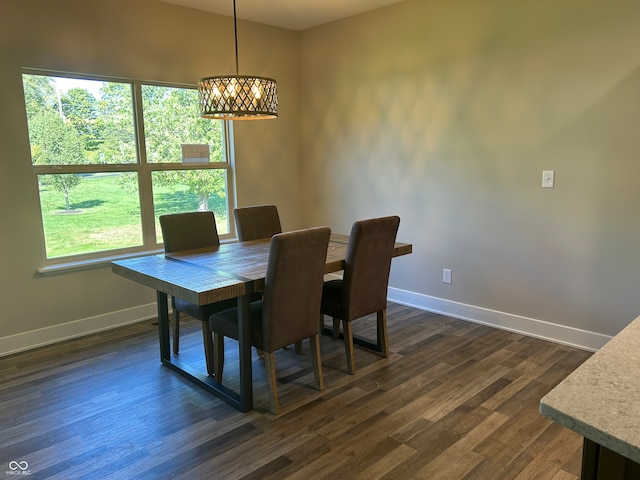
(553, 332)
(574, 337)
(77, 328)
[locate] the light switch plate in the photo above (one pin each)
(446, 275)
(548, 177)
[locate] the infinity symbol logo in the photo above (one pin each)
(13, 465)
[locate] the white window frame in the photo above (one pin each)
(144, 171)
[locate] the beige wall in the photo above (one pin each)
(446, 113)
(141, 39)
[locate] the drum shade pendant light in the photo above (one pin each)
(238, 97)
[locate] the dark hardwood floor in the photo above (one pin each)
(455, 400)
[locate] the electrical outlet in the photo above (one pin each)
(446, 275)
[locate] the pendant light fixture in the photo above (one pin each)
(238, 97)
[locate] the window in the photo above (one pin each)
(109, 157)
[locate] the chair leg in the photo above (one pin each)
(176, 328)
(348, 347)
(218, 353)
(383, 339)
(270, 365)
(336, 328)
(314, 343)
(208, 347)
(298, 347)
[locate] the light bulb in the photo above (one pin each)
(256, 90)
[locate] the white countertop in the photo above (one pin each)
(600, 400)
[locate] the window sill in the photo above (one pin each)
(66, 267)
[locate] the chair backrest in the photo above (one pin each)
(259, 221)
(293, 286)
(367, 266)
(189, 230)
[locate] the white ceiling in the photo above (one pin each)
(291, 14)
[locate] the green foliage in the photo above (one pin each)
(202, 183)
(55, 142)
(39, 94)
(80, 108)
(171, 119)
(115, 124)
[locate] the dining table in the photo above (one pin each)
(212, 274)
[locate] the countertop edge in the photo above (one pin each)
(595, 399)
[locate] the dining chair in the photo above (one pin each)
(363, 288)
(188, 231)
(289, 309)
(257, 221)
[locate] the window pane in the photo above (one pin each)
(79, 122)
(85, 213)
(179, 191)
(171, 120)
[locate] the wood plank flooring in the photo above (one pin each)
(455, 400)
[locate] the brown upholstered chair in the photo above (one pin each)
(188, 231)
(290, 306)
(258, 221)
(363, 287)
(253, 223)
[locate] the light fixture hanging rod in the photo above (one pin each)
(237, 97)
(235, 33)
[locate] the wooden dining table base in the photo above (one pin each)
(243, 400)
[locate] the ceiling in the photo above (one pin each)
(291, 14)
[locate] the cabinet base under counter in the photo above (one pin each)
(600, 463)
